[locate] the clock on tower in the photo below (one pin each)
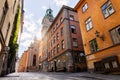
(48, 18)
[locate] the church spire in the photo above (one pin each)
(49, 12)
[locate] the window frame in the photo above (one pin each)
(61, 19)
(63, 44)
(57, 36)
(61, 31)
(88, 23)
(107, 8)
(58, 47)
(93, 49)
(75, 40)
(83, 7)
(71, 17)
(71, 27)
(117, 35)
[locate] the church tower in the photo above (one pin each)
(47, 20)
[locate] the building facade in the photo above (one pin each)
(33, 57)
(99, 24)
(64, 51)
(29, 62)
(8, 11)
(22, 62)
(46, 22)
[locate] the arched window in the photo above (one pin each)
(34, 60)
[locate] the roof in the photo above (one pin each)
(78, 4)
(63, 7)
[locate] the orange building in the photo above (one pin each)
(22, 63)
(29, 62)
(99, 24)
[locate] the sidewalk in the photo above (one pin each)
(97, 76)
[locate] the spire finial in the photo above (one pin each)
(49, 4)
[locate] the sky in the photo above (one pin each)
(34, 13)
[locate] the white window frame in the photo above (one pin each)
(89, 24)
(85, 7)
(107, 9)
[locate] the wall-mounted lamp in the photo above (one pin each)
(99, 35)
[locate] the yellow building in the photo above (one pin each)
(100, 27)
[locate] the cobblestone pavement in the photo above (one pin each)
(59, 76)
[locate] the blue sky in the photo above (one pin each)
(34, 13)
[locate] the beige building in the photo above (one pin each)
(8, 11)
(33, 57)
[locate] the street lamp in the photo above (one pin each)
(99, 35)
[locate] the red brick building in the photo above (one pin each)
(64, 51)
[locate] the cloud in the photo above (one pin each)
(40, 26)
(30, 29)
(26, 43)
(25, 36)
(30, 24)
(61, 2)
(39, 21)
(44, 7)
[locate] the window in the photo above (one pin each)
(114, 64)
(56, 25)
(63, 44)
(54, 29)
(61, 19)
(73, 29)
(107, 9)
(51, 43)
(58, 48)
(54, 50)
(75, 42)
(85, 7)
(115, 34)
(61, 31)
(4, 12)
(93, 45)
(34, 60)
(71, 17)
(54, 39)
(89, 24)
(107, 66)
(48, 54)
(118, 31)
(57, 36)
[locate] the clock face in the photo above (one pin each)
(45, 21)
(51, 20)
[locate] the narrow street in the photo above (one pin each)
(58, 76)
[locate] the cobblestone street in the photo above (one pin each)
(59, 76)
